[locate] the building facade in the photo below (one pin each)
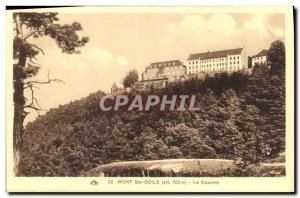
(217, 61)
(260, 58)
(171, 70)
(149, 84)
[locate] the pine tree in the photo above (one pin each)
(33, 25)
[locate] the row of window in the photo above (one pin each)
(167, 66)
(214, 69)
(234, 57)
(214, 60)
(258, 58)
(164, 64)
(258, 62)
(213, 65)
(237, 62)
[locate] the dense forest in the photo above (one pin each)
(241, 117)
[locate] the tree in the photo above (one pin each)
(250, 148)
(219, 126)
(189, 141)
(276, 57)
(33, 26)
(131, 78)
(267, 93)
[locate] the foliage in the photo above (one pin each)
(241, 117)
(131, 78)
(27, 27)
(276, 57)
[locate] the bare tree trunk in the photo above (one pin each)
(19, 101)
(17, 132)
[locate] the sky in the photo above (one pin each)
(121, 42)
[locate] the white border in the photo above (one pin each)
(104, 2)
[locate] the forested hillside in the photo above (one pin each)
(241, 117)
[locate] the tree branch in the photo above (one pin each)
(40, 49)
(30, 60)
(34, 103)
(46, 82)
(32, 33)
(31, 85)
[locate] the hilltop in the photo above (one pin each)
(233, 123)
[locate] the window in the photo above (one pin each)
(234, 57)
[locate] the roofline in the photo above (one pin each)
(212, 52)
(166, 61)
(257, 55)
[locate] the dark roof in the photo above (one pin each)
(262, 53)
(114, 85)
(215, 54)
(165, 64)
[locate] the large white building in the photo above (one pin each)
(172, 70)
(217, 61)
(260, 58)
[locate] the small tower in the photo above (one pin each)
(114, 89)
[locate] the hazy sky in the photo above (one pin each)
(120, 42)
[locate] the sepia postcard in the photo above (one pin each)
(150, 99)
